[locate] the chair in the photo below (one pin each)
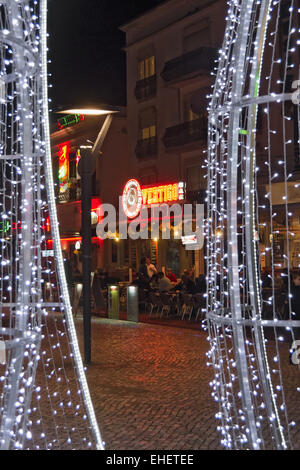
(177, 303)
(77, 295)
(155, 302)
(143, 298)
(166, 300)
(281, 305)
(188, 305)
(199, 304)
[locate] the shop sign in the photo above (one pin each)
(189, 239)
(47, 253)
(69, 120)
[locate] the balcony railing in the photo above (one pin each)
(196, 196)
(199, 61)
(145, 88)
(185, 133)
(146, 148)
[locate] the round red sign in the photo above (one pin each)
(132, 198)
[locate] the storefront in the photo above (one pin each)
(151, 228)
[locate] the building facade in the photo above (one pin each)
(171, 52)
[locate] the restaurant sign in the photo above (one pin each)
(134, 196)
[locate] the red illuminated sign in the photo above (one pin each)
(63, 166)
(132, 198)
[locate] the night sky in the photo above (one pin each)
(88, 64)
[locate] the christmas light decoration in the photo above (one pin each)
(253, 155)
(44, 397)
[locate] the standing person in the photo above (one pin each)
(151, 269)
(200, 282)
(189, 284)
(143, 268)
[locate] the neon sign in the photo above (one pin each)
(134, 196)
(6, 226)
(63, 166)
(69, 120)
(160, 194)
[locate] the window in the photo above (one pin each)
(146, 68)
(193, 116)
(195, 180)
(147, 123)
(148, 179)
(148, 132)
(189, 113)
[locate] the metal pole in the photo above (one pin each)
(86, 228)
(87, 168)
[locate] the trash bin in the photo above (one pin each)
(113, 302)
(133, 303)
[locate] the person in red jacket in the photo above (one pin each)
(170, 275)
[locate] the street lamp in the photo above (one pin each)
(86, 169)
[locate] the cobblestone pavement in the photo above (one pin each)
(150, 386)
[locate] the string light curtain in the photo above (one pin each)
(44, 397)
(253, 214)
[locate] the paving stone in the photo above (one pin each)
(149, 385)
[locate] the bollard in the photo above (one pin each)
(113, 302)
(133, 303)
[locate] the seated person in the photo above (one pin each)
(141, 281)
(170, 275)
(164, 284)
(154, 282)
(189, 284)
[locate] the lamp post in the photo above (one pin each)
(86, 169)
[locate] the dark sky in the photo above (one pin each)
(88, 64)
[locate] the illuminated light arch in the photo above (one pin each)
(253, 102)
(44, 397)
